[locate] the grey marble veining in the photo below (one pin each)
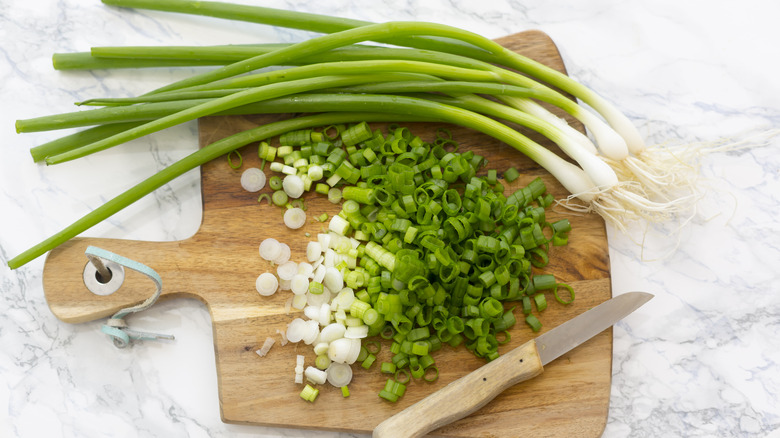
(701, 359)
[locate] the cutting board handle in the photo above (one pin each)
(465, 395)
(72, 301)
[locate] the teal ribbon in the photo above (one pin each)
(116, 327)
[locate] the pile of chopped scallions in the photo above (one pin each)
(422, 72)
(426, 251)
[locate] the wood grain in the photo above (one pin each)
(219, 265)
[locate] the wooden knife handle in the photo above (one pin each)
(465, 395)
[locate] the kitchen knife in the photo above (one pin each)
(469, 393)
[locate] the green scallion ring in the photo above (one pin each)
(431, 374)
(567, 287)
(230, 159)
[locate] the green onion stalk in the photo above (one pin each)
(599, 172)
(189, 109)
(168, 114)
(658, 171)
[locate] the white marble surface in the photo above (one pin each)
(701, 359)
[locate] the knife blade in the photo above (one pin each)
(472, 391)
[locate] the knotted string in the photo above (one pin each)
(116, 327)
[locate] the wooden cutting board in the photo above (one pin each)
(219, 265)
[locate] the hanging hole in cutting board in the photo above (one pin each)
(101, 284)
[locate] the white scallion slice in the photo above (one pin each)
(324, 240)
(296, 330)
(293, 186)
(287, 270)
(269, 342)
(315, 172)
(338, 225)
(317, 300)
(299, 301)
(299, 368)
(354, 350)
(339, 374)
(311, 311)
(319, 273)
(344, 350)
(356, 332)
(340, 315)
(270, 249)
(313, 251)
(288, 170)
(284, 254)
(339, 349)
(294, 218)
(315, 375)
(312, 332)
(341, 244)
(299, 284)
(321, 348)
(266, 284)
(344, 298)
(253, 179)
(330, 258)
(332, 331)
(324, 318)
(333, 279)
(305, 269)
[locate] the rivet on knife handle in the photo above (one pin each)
(465, 395)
